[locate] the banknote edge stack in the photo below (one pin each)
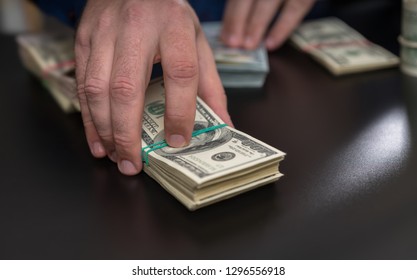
(408, 38)
(234, 73)
(321, 51)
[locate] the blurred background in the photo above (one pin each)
(17, 16)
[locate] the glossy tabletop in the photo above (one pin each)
(349, 190)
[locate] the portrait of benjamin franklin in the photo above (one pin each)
(200, 143)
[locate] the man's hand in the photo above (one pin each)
(245, 22)
(117, 43)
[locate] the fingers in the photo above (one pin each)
(292, 13)
(210, 89)
(246, 21)
(116, 45)
(261, 15)
(113, 67)
(132, 63)
(181, 73)
(97, 77)
(82, 53)
(234, 21)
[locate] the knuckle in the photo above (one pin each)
(104, 22)
(182, 70)
(105, 135)
(95, 88)
(122, 141)
(132, 14)
(81, 93)
(103, 129)
(82, 39)
(123, 90)
(177, 117)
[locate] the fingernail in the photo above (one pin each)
(233, 40)
(248, 42)
(229, 121)
(270, 43)
(113, 156)
(127, 168)
(176, 141)
(98, 149)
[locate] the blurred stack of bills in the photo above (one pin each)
(49, 55)
(238, 68)
(408, 38)
(339, 48)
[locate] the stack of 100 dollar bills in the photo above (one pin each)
(216, 165)
(340, 48)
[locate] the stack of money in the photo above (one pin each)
(220, 161)
(49, 55)
(238, 68)
(339, 48)
(408, 38)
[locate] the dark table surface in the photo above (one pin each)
(349, 190)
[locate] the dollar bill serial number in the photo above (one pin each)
(255, 270)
